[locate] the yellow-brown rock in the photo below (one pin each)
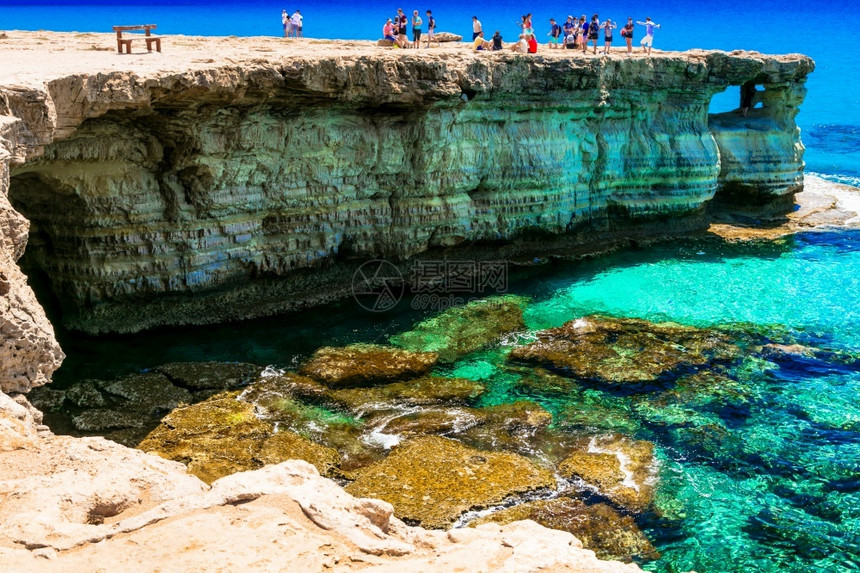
(366, 365)
(623, 470)
(222, 436)
(601, 528)
(433, 480)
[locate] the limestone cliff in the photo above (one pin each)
(204, 195)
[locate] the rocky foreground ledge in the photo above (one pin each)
(233, 178)
(86, 504)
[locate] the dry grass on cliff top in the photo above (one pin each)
(32, 58)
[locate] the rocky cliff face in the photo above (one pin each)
(208, 195)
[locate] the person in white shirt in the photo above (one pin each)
(648, 40)
(297, 23)
(476, 27)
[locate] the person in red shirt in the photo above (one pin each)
(532, 44)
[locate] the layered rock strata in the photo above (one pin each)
(243, 190)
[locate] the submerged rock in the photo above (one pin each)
(86, 394)
(433, 480)
(100, 420)
(222, 436)
(366, 364)
(622, 469)
(210, 375)
(461, 330)
(422, 391)
(147, 391)
(271, 389)
(601, 528)
(425, 421)
(46, 398)
(624, 350)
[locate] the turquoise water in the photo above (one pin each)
(762, 476)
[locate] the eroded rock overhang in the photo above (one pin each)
(244, 190)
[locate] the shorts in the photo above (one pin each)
(570, 46)
(592, 37)
(474, 35)
(416, 35)
(647, 41)
(390, 38)
(401, 30)
(607, 39)
(553, 40)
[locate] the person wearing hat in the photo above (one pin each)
(567, 27)
(388, 31)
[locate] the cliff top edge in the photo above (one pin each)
(32, 59)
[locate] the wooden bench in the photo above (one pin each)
(126, 42)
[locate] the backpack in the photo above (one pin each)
(593, 28)
(431, 23)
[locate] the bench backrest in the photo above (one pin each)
(129, 28)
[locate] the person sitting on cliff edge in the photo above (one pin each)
(481, 44)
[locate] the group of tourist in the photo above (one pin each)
(573, 34)
(396, 30)
(292, 24)
(578, 34)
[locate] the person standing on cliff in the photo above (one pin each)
(297, 23)
(554, 33)
(401, 23)
(476, 27)
(627, 34)
(288, 24)
(416, 29)
(648, 40)
(431, 28)
(607, 26)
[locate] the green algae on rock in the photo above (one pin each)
(461, 330)
(423, 391)
(432, 480)
(269, 390)
(221, 436)
(625, 350)
(600, 527)
(622, 469)
(366, 364)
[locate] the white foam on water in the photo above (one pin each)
(580, 323)
(270, 371)
(623, 462)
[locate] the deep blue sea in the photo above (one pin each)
(830, 117)
(780, 491)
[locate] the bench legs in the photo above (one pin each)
(150, 41)
(127, 43)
